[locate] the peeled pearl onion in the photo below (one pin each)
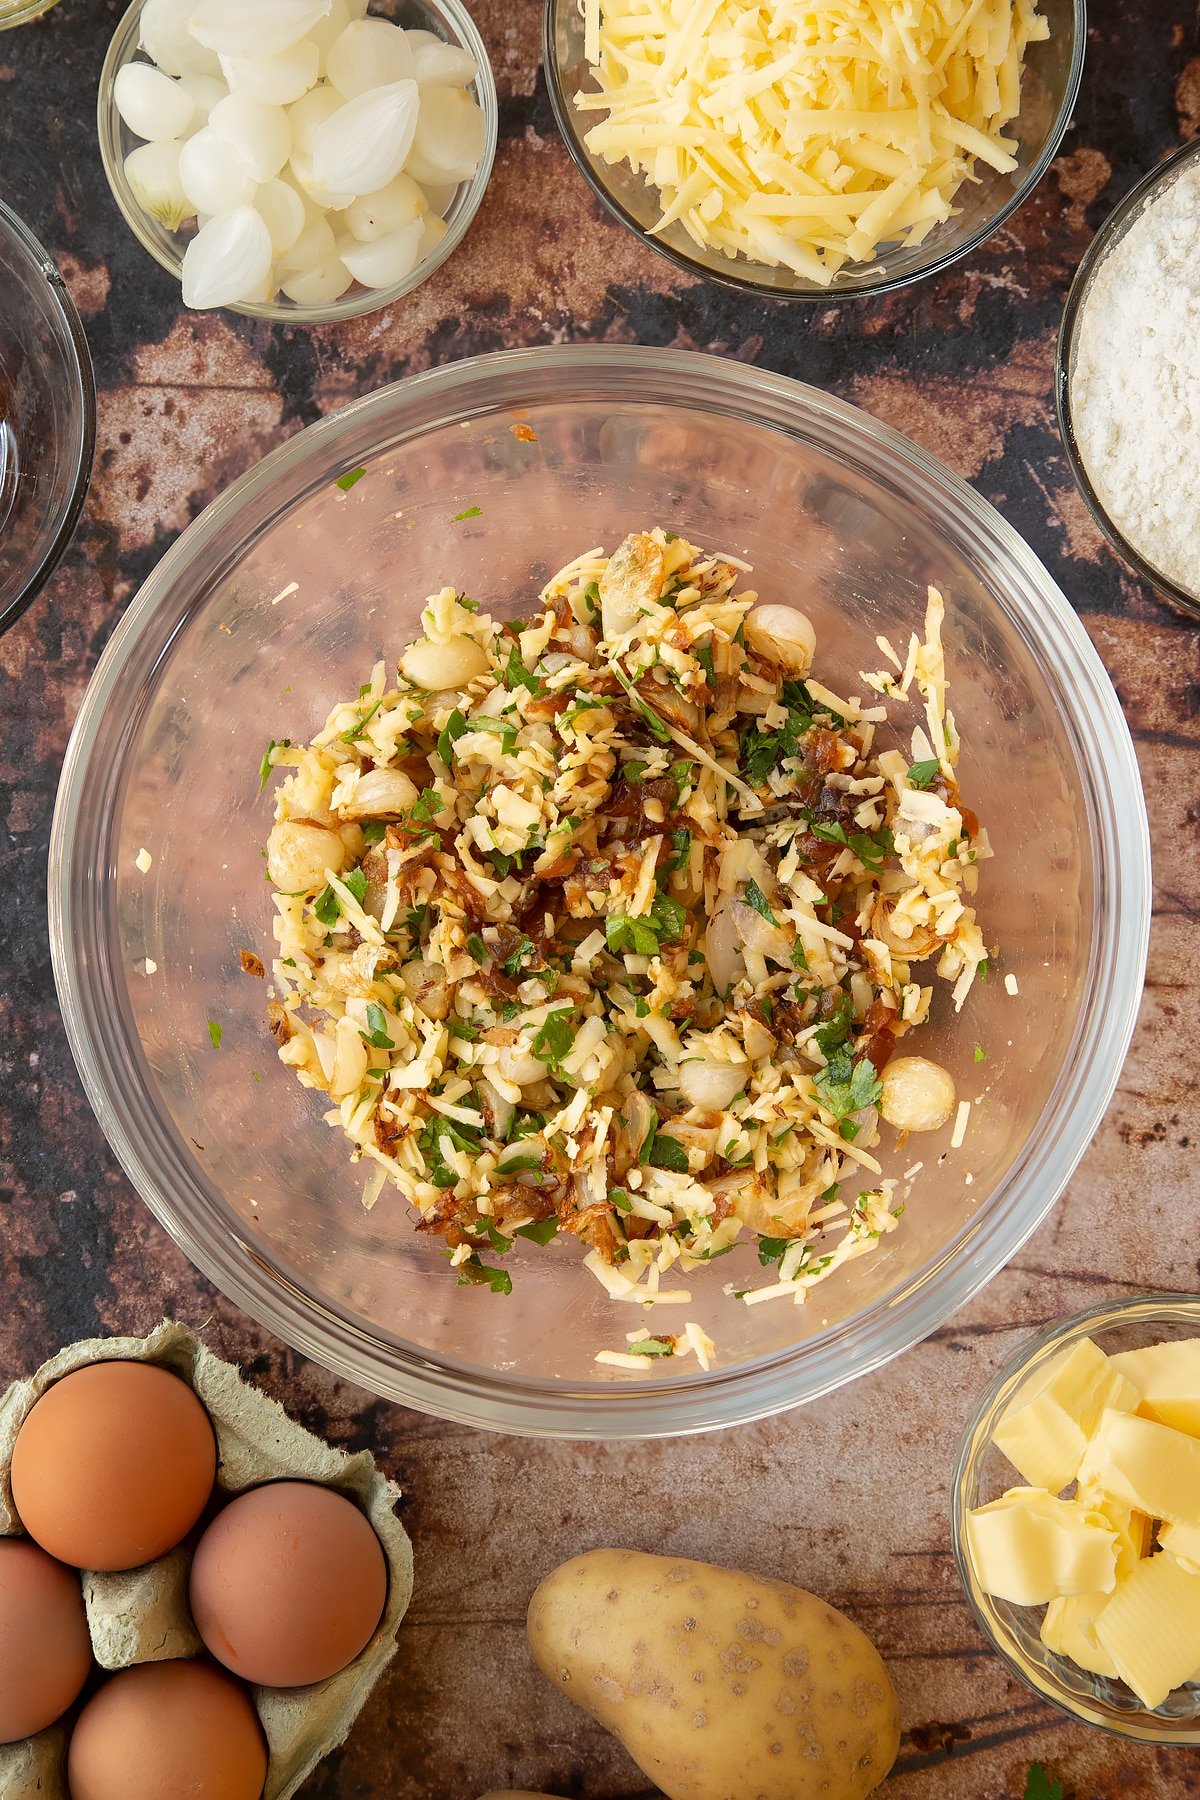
(152, 171)
(918, 1095)
(364, 145)
(386, 260)
(370, 53)
(163, 34)
(311, 250)
(228, 260)
(299, 854)
(782, 635)
(254, 27)
(212, 177)
(449, 138)
(433, 230)
(284, 213)
(320, 286)
(380, 792)
(204, 91)
(438, 666)
(276, 80)
(258, 135)
(373, 216)
(308, 113)
(711, 1084)
(152, 105)
(446, 64)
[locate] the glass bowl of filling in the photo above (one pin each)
(47, 417)
(1126, 368)
(776, 164)
(1093, 1413)
(260, 661)
(234, 199)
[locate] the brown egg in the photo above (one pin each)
(45, 1651)
(288, 1584)
(114, 1465)
(164, 1730)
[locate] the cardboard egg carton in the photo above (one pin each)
(143, 1615)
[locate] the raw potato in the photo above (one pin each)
(721, 1685)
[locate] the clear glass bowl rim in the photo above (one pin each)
(123, 47)
(839, 289)
(25, 14)
(1145, 1309)
(220, 1245)
(41, 263)
(1108, 234)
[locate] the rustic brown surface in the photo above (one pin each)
(849, 1496)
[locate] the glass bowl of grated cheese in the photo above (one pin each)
(274, 608)
(753, 148)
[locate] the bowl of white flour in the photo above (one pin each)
(1128, 379)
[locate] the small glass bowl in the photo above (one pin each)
(20, 12)
(447, 19)
(47, 417)
(984, 1473)
(1050, 85)
(1118, 222)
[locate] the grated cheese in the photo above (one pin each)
(143, 861)
(960, 1124)
(1010, 984)
(806, 133)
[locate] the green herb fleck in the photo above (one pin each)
(921, 774)
(539, 1231)
(266, 765)
(449, 735)
(477, 948)
(555, 1038)
(651, 1347)
(983, 969)
(517, 675)
(374, 831)
(376, 1032)
(770, 1250)
(474, 1273)
(980, 1053)
(668, 1153)
(513, 962)
(356, 881)
(346, 482)
(758, 900)
(327, 906)
(846, 1087)
(1039, 1786)
(471, 512)
(704, 656)
(360, 726)
(215, 1032)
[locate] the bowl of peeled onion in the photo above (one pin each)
(297, 160)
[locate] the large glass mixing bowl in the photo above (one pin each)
(275, 603)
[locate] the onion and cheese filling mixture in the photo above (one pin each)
(609, 922)
(806, 136)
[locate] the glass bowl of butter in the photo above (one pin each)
(1076, 1516)
(752, 152)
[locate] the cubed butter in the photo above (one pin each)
(1167, 1377)
(1029, 1547)
(1183, 1543)
(1151, 1628)
(1146, 1466)
(1069, 1629)
(1045, 1431)
(1133, 1530)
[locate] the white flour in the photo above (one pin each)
(1135, 387)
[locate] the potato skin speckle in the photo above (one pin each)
(809, 1713)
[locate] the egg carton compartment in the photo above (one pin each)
(143, 1616)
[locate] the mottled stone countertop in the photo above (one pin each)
(839, 1496)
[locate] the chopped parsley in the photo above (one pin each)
(347, 481)
(360, 726)
(266, 765)
(428, 805)
(980, 1053)
(649, 1346)
(477, 948)
(658, 730)
(846, 1087)
(758, 900)
(870, 848)
(921, 774)
(833, 1034)
(474, 1273)
(376, 1032)
(327, 906)
(620, 1199)
(667, 1152)
(515, 959)
(449, 735)
(539, 1231)
(215, 1032)
(356, 881)
(770, 1250)
(704, 656)
(470, 512)
(761, 751)
(374, 831)
(517, 675)
(1039, 1786)
(555, 1039)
